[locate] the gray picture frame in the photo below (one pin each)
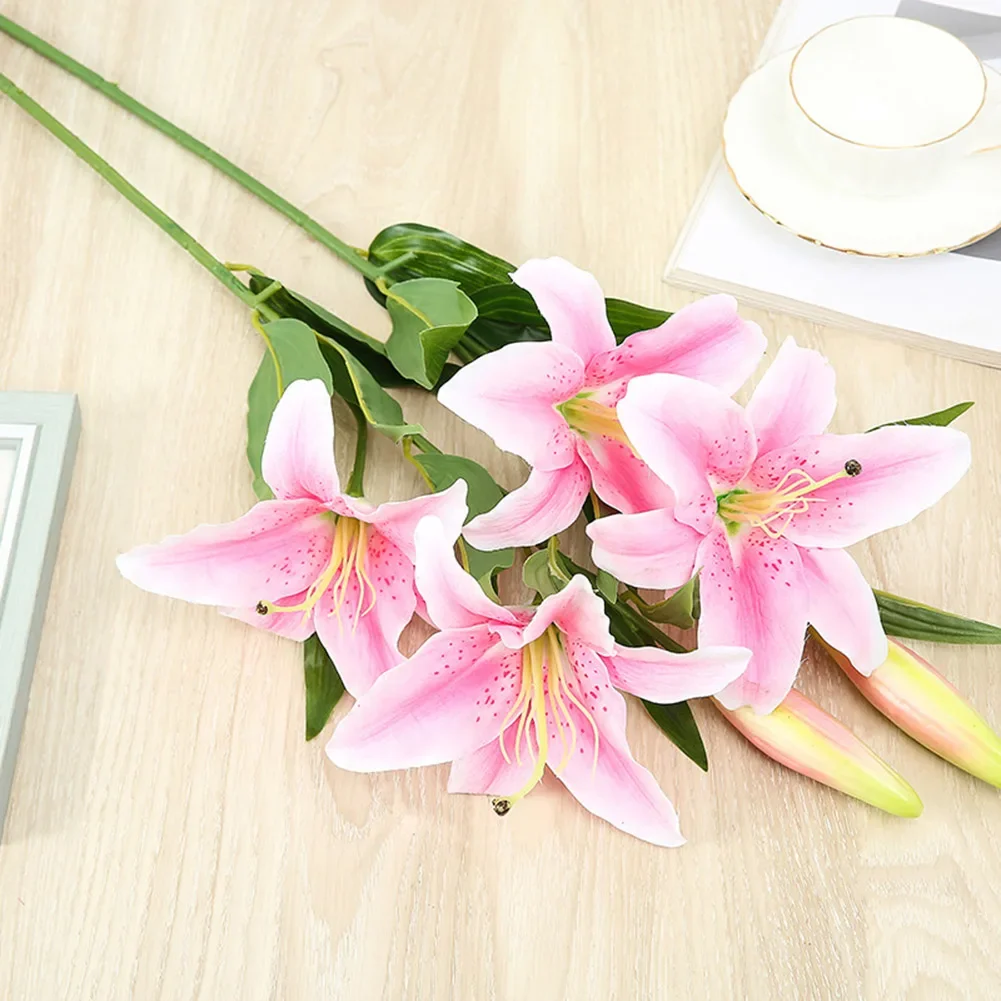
(43, 429)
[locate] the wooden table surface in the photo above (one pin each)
(170, 834)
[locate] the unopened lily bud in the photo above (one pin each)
(909, 691)
(801, 736)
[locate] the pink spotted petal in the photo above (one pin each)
(398, 520)
(651, 549)
(619, 478)
(707, 341)
(546, 503)
(298, 458)
(447, 701)
(904, 471)
(577, 612)
(276, 549)
(290, 625)
(843, 608)
(571, 302)
(665, 677)
(363, 642)
(795, 397)
(511, 394)
(693, 436)
(452, 597)
(611, 784)
(485, 771)
(754, 595)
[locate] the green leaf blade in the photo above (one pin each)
(913, 620)
(941, 418)
(677, 722)
(324, 686)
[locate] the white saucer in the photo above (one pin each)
(953, 211)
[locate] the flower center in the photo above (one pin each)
(587, 416)
(543, 698)
(347, 563)
(773, 510)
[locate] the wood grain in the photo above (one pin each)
(170, 835)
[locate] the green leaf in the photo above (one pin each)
(510, 303)
(677, 610)
(293, 354)
(437, 254)
(482, 494)
(678, 723)
(940, 418)
(911, 619)
(536, 574)
(607, 586)
(355, 383)
(429, 316)
(324, 687)
(627, 318)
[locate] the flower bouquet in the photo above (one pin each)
(717, 533)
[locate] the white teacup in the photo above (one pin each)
(885, 104)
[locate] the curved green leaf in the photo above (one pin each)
(324, 686)
(536, 576)
(940, 418)
(627, 318)
(678, 723)
(677, 610)
(912, 620)
(293, 354)
(429, 316)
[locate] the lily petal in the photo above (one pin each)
(442, 704)
(693, 436)
(290, 625)
(453, 598)
(364, 642)
(298, 457)
(611, 784)
(795, 397)
(904, 471)
(398, 520)
(511, 394)
(651, 549)
(801, 736)
(910, 692)
(707, 341)
(577, 612)
(546, 503)
(621, 479)
(843, 608)
(571, 302)
(278, 548)
(665, 677)
(752, 595)
(486, 773)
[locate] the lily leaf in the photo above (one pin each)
(678, 723)
(940, 418)
(627, 318)
(482, 495)
(293, 354)
(911, 619)
(429, 316)
(324, 687)
(535, 574)
(607, 586)
(677, 610)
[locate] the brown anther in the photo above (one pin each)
(853, 467)
(262, 608)
(501, 806)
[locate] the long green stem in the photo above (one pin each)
(180, 236)
(114, 93)
(356, 483)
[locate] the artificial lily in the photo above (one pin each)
(765, 504)
(505, 692)
(553, 403)
(909, 691)
(312, 559)
(801, 736)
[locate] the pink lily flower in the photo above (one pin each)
(765, 504)
(505, 692)
(553, 403)
(312, 559)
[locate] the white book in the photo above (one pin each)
(950, 301)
